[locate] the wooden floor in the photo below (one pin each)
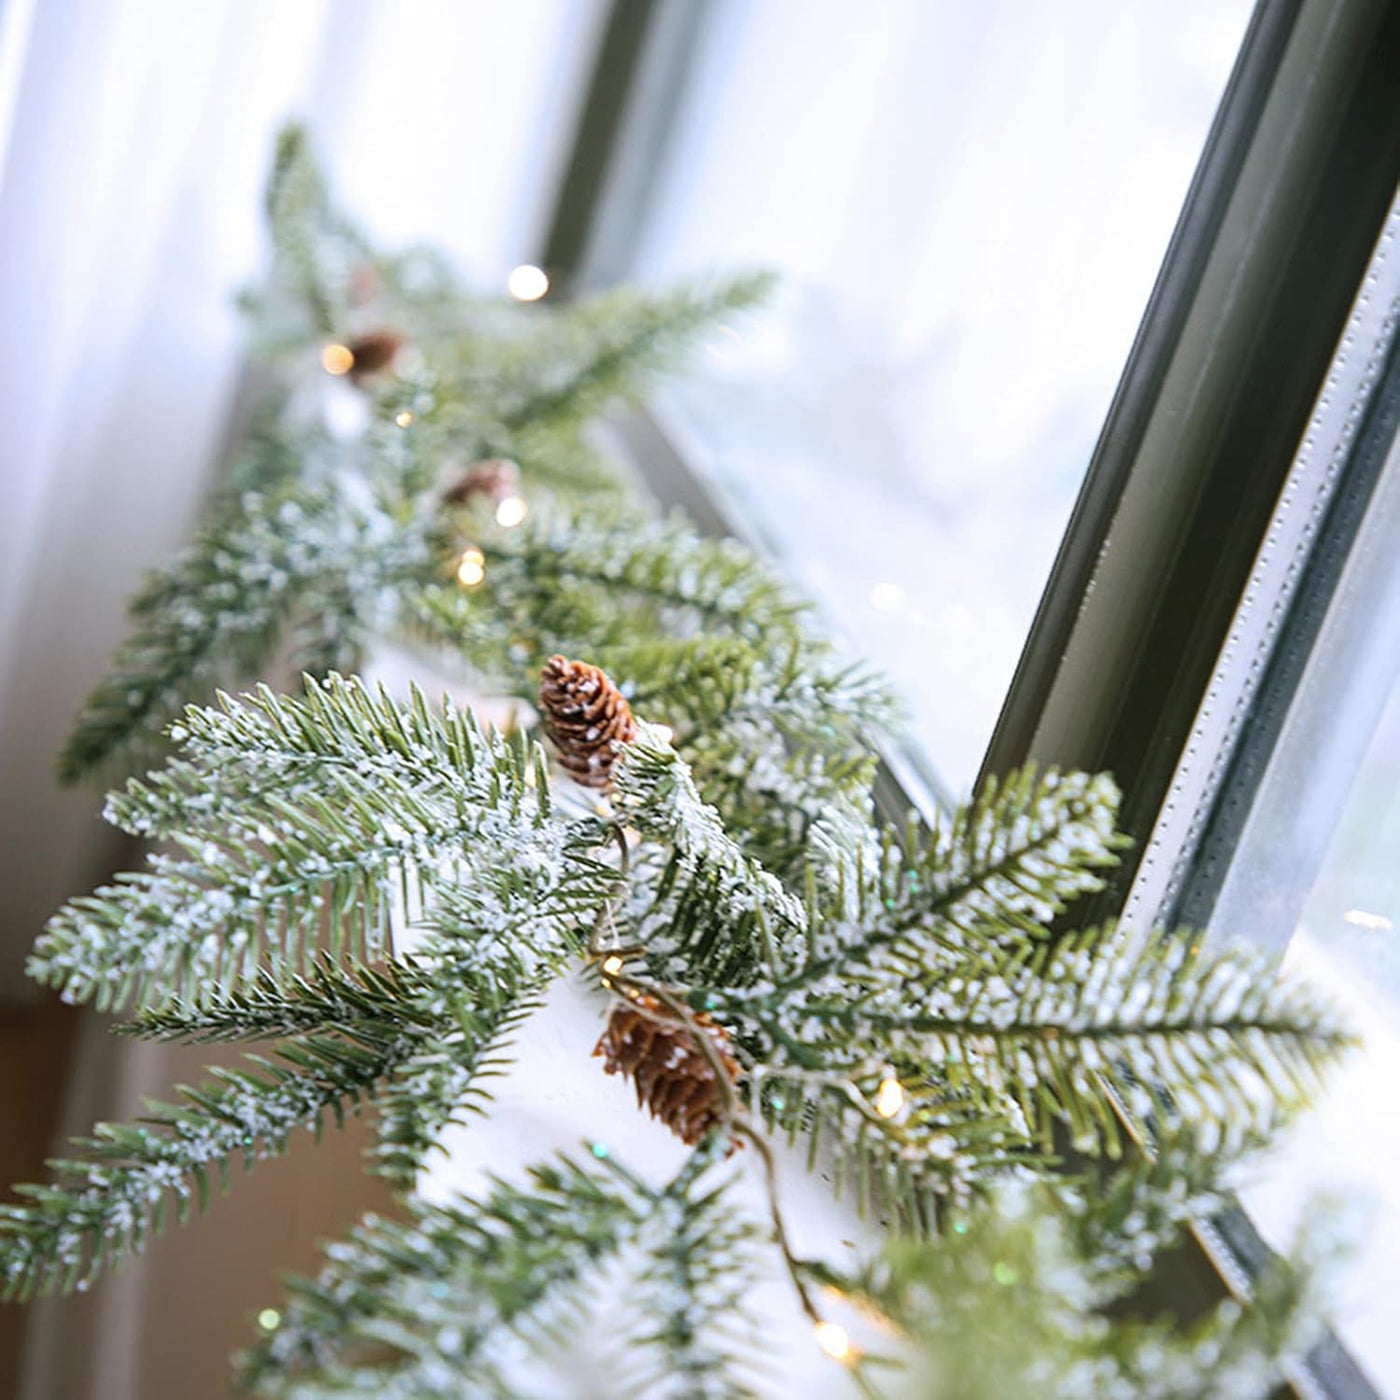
(35, 1053)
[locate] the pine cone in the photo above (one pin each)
(673, 1076)
(587, 717)
(374, 352)
(495, 478)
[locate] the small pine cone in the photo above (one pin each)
(495, 478)
(587, 717)
(673, 1076)
(374, 352)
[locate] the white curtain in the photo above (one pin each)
(134, 139)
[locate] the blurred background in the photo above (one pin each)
(968, 205)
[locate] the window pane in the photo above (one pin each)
(968, 204)
(1319, 865)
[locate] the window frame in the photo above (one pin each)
(1201, 440)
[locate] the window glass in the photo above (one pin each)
(968, 205)
(1318, 867)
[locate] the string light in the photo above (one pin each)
(337, 359)
(527, 282)
(471, 568)
(834, 1340)
(612, 964)
(403, 417)
(511, 511)
(889, 1097)
(269, 1319)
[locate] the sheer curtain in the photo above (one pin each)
(134, 139)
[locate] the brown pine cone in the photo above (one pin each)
(587, 717)
(674, 1078)
(494, 477)
(374, 352)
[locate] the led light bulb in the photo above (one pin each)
(471, 568)
(889, 1097)
(403, 417)
(612, 964)
(834, 1340)
(337, 359)
(511, 511)
(527, 282)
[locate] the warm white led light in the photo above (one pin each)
(833, 1339)
(337, 359)
(612, 964)
(471, 568)
(269, 1319)
(889, 1097)
(527, 282)
(511, 511)
(403, 417)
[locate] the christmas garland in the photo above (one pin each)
(698, 839)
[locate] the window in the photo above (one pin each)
(1219, 627)
(1328, 805)
(967, 205)
(1301, 854)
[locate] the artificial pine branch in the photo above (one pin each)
(393, 1036)
(328, 996)
(773, 723)
(107, 1202)
(570, 577)
(1119, 1218)
(904, 1005)
(316, 812)
(413, 1310)
(690, 1300)
(993, 873)
(1069, 1030)
(613, 348)
(310, 238)
(915, 1168)
(716, 911)
(445, 1078)
(461, 1032)
(301, 556)
(218, 608)
(1007, 1306)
